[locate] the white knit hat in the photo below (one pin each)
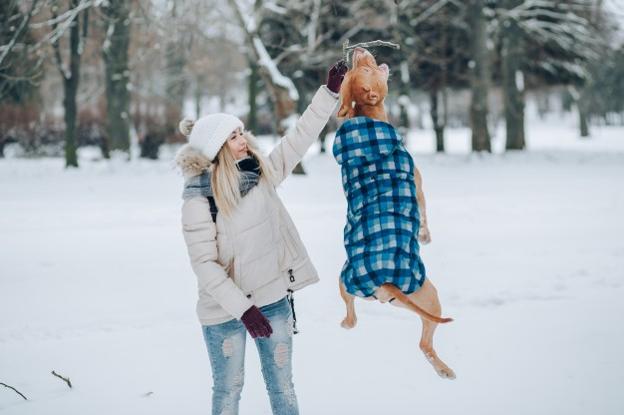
(210, 132)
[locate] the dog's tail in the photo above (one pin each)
(405, 300)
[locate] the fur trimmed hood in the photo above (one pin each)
(191, 161)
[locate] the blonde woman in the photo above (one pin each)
(244, 247)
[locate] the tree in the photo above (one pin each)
(117, 74)
(176, 77)
(542, 41)
(70, 73)
(20, 70)
(512, 76)
(480, 76)
(435, 35)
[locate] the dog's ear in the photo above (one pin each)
(346, 97)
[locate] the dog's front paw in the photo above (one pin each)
(424, 236)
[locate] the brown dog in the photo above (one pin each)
(362, 94)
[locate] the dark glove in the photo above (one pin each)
(256, 323)
(336, 75)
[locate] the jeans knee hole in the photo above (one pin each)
(280, 355)
(228, 347)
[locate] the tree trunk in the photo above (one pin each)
(176, 82)
(69, 102)
(404, 91)
(198, 99)
(479, 78)
(513, 82)
(252, 118)
(581, 103)
(438, 128)
(70, 86)
(115, 54)
(583, 121)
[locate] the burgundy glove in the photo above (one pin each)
(336, 75)
(256, 323)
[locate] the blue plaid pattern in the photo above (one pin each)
(381, 234)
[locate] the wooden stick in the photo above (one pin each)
(346, 48)
(65, 379)
(16, 391)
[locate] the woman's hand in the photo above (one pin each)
(256, 323)
(336, 76)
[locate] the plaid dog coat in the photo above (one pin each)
(381, 234)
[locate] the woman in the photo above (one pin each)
(243, 246)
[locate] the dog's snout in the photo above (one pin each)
(360, 52)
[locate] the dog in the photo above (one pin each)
(394, 255)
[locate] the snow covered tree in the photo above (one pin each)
(605, 94)
(540, 41)
(434, 35)
(282, 90)
(20, 67)
(284, 40)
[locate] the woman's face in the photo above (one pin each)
(237, 144)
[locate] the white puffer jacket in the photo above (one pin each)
(255, 255)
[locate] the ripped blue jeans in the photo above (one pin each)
(226, 349)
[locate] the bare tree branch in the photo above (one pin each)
(7, 49)
(428, 13)
(61, 23)
(16, 391)
(61, 377)
(57, 50)
(346, 48)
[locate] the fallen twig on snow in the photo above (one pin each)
(65, 379)
(16, 391)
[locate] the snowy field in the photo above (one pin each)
(527, 255)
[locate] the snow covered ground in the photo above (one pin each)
(527, 255)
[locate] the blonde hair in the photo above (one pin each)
(226, 176)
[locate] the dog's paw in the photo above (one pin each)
(424, 236)
(348, 323)
(439, 366)
(446, 373)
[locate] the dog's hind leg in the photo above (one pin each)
(427, 298)
(351, 319)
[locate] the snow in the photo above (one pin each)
(527, 256)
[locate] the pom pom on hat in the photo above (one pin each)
(210, 132)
